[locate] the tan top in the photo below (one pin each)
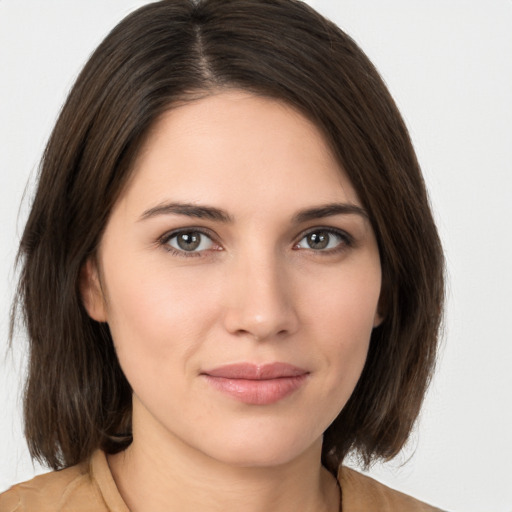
(90, 487)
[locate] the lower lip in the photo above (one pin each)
(258, 392)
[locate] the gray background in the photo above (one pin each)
(448, 64)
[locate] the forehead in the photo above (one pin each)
(234, 149)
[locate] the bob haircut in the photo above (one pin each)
(167, 53)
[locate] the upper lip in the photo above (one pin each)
(251, 371)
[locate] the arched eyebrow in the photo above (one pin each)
(329, 210)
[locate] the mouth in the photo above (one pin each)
(257, 384)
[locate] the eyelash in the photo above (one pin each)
(346, 241)
(165, 239)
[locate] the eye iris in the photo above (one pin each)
(188, 241)
(318, 240)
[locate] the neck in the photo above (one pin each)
(161, 476)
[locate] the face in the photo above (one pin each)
(240, 279)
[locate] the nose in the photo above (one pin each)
(261, 301)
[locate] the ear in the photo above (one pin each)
(378, 319)
(91, 292)
(382, 307)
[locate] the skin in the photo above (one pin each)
(255, 290)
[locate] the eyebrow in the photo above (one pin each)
(190, 210)
(219, 215)
(329, 210)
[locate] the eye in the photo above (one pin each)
(189, 241)
(324, 240)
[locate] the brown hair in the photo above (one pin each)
(77, 398)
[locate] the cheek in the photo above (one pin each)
(341, 312)
(157, 315)
(344, 303)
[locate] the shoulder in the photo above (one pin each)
(70, 489)
(360, 493)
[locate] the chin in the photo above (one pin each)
(264, 450)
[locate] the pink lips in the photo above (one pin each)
(257, 384)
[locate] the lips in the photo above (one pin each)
(256, 384)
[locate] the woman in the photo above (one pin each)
(230, 274)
